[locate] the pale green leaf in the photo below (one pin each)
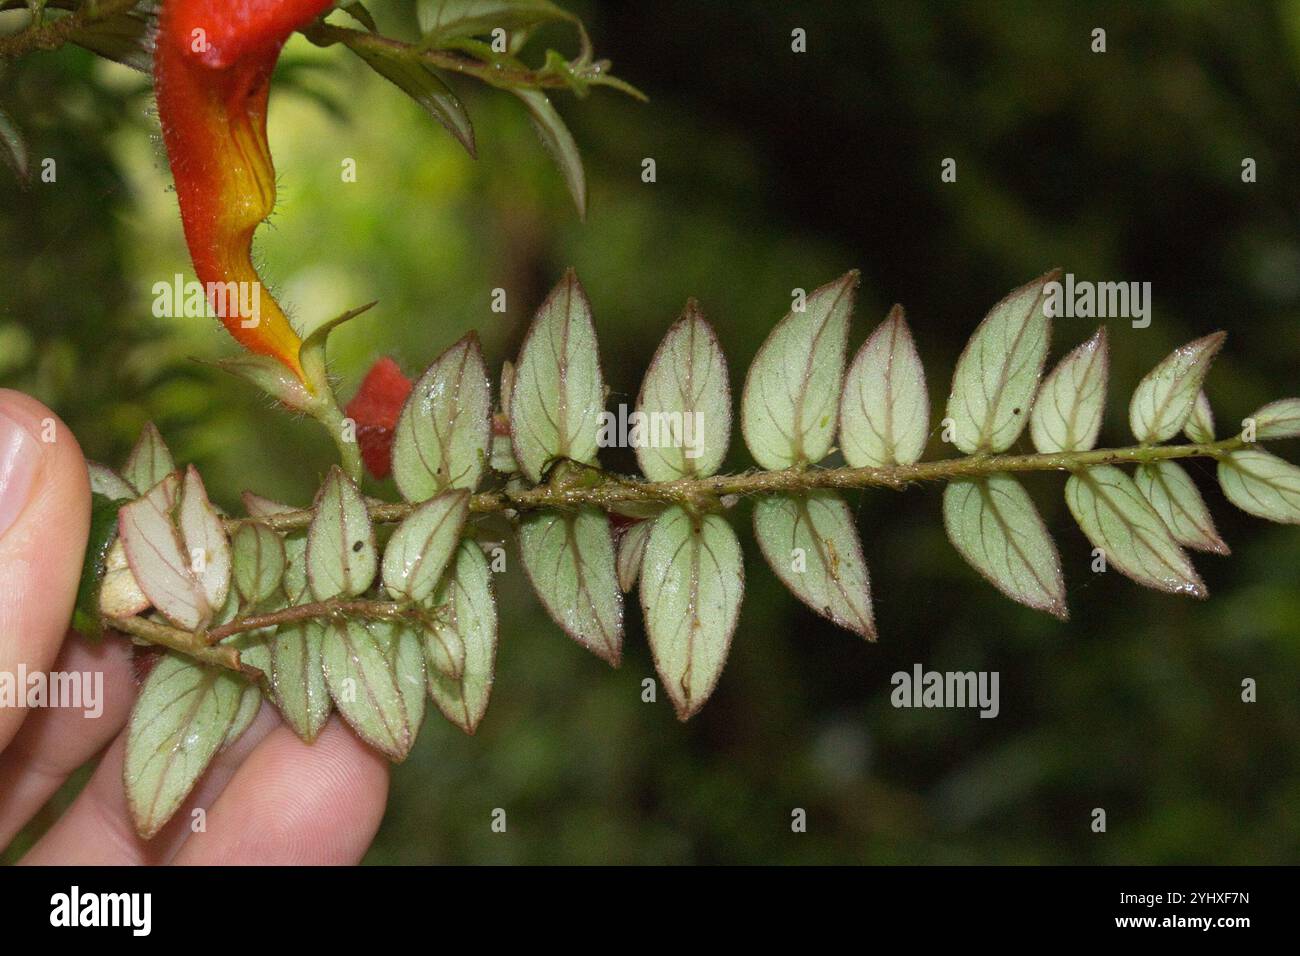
(369, 669)
(1262, 485)
(1117, 519)
(205, 540)
(811, 543)
(998, 372)
(1164, 399)
(791, 397)
(686, 403)
(569, 558)
(885, 409)
(1200, 423)
(341, 558)
(631, 550)
(1280, 419)
(557, 139)
(250, 704)
(417, 80)
(1068, 410)
(691, 588)
(149, 461)
(994, 525)
(558, 392)
(1176, 499)
(119, 592)
(295, 545)
(105, 481)
(468, 610)
(297, 677)
(441, 438)
(412, 681)
(259, 560)
(159, 559)
(418, 552)
(180, 720)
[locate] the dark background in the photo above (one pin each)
(775, 170)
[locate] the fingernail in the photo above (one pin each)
(20, 457)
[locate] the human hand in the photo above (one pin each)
(268, 799)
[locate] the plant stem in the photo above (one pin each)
(609, 491)
(371, 610)
(183, 641)
(494, 74)
(52, 34)
(577, 486)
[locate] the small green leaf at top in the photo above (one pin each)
(790, 402)
(998, 372)
(1069, 408)
(1166, 397)
(149, 462)
(885, 409)
(443, 432)
(558, 392)
(686, 403)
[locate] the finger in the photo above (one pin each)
(52, 743)
(97, 830)
(293, 803)
(44, 518)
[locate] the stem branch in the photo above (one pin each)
(50, 34)
(612, 490)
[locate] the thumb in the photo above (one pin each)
(44, 520)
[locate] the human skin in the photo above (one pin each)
(269, 799)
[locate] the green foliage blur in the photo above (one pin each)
(774, 170)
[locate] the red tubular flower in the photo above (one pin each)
(375, 409)
(212, 68)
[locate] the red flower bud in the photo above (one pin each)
(375, 408)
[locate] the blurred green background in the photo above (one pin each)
(774, 170)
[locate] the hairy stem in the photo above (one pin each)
(607, 491)
(370, 610)
(183, 641)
